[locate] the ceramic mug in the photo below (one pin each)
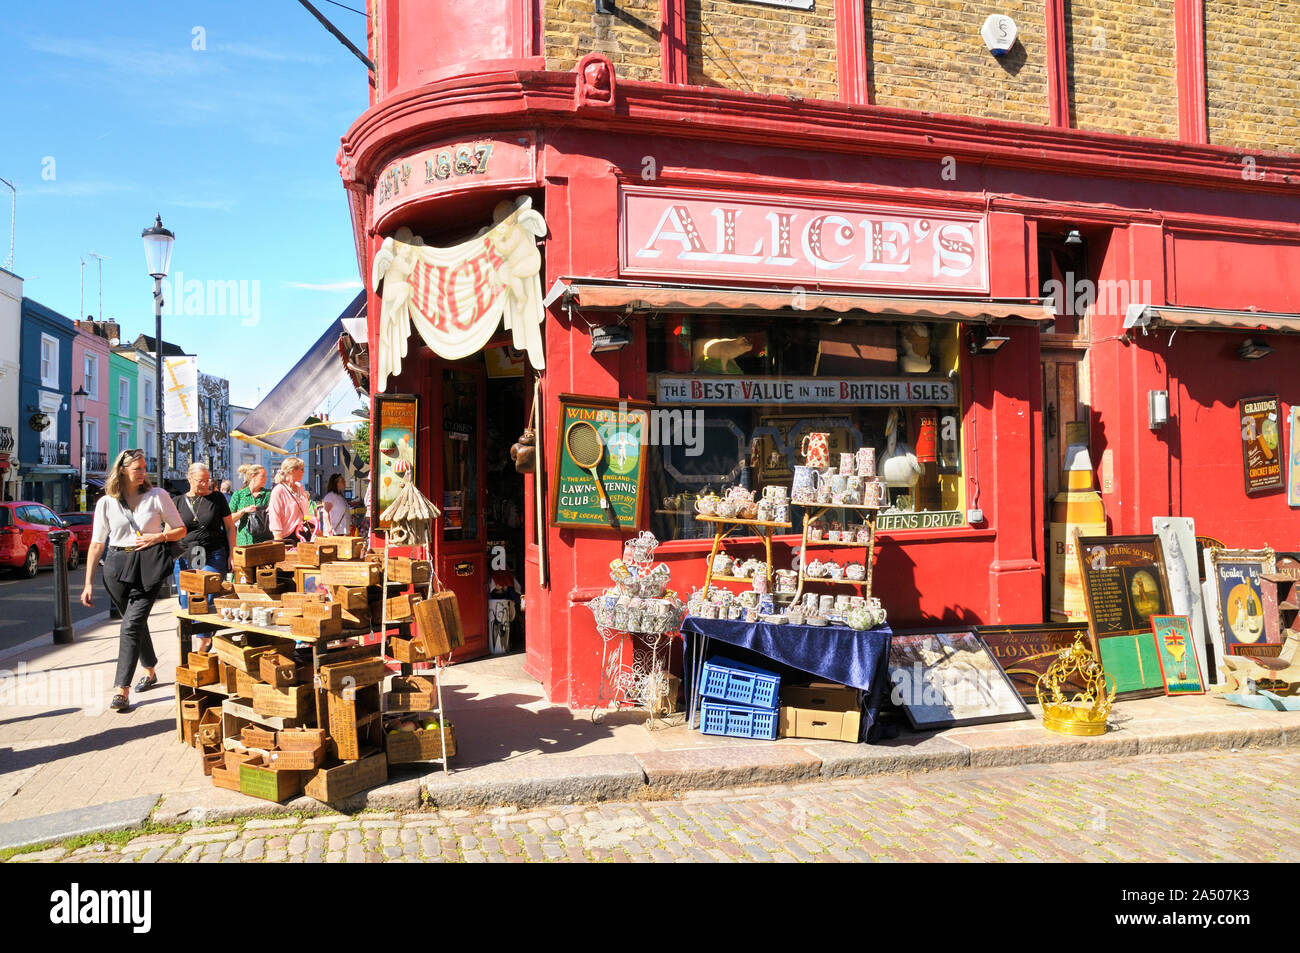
(760, 582)
(810, 601)
(815, 449)
(780, 512)
(825, 605)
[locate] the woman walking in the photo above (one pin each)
(290, 503)
(210, 531)
(248, 506)
(129, 524)
(337, 519)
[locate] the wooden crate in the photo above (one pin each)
(335, 782)
(356, 619)
(191, 679)
(208, 732)
(245, 683)
(258, 554)
(303, 628)
(200, 582)
(204, 662)
(437, 623)
(259, 598)
(227, 778)
(337, 676)
(348, 547)
(285, 616)
(257, 779)
(411, 693)
(354, 721)
(241, 649)
(298, 760)
(189, 728)
(278, 670)
(325, 611)
(294, 701)
(238, 713)
(228, 678)
(296, 600)
(315, 554)
(352, 574)
(415, 572)
(401, 608)
(212, 757)
(410, 651)
(404, 747)
(300, 739)
(351, 597)
(192, 708)
(255, 736)
(235, 757)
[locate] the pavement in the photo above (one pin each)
(70, 766)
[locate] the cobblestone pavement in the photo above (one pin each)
(1095, 811)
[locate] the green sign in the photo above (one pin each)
(940, 519)
(1133, 661)
(600, 445)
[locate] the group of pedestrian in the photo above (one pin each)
(143, 535)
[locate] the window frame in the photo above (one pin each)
(53, 360)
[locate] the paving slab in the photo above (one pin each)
(895, 756)
(117, 816)
(727, 767)
(1035, 745)
(535, 781)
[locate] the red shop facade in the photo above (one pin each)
(778, 267)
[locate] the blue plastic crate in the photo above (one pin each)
(731, 681)
(736, 721)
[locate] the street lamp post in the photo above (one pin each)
(79, 397)
(158, 254)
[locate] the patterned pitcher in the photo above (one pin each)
(815, 449)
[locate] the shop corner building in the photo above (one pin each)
(761, 192)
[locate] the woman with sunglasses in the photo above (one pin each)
(134, 522)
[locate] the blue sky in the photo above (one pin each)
(223, 117)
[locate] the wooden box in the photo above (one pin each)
(200, 582)
(238, 714)
(192, 708)
(227, 778)
(352, 574)
(423, 745)
(245, 682)
(257, 779)
(315, 554)
(189, 729)
(234, 758)
(411, 693)
(213, 757)
(314, 628)
(192, 679)
(322, 610)
(351, 597)
(255, 736)
(205, 662)
(412, 571)
(354, 721)
(258, 554)
(348, 547)
(339, 781)
(356, 618)
(437, 623)
(292, 702)
(208, 732)
(296, 760)
(278, 670)
(401, 608)
(300, 739)
(410, 651)
(228, 678)
(296, 600)
(285, 616)
(338, 676)
(241, 649)
(267, 578)
(198, 605)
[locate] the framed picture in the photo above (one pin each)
(1293, 461)
(943, 679)
(1027, 651)
(1240, 600)
(1124, 583)
(1261, 443)
(392, 450)
(1174, 649)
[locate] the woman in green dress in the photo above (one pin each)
(248, 506)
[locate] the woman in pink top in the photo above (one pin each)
(289, 504)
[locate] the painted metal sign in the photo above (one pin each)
(816, 391)
(1261, 443)
(675, 233)
(599, 477)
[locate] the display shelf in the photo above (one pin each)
(834, 582)
(829, 542)
(815, 511)
(724, 527)
(745, 579)
(740, 522)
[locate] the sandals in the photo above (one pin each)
(146, 682)
(120, 704)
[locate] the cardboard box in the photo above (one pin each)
(339, 781)
(416, 572)
(823, 725)
(336, 676)
(295, 701)
(258, 554)
(404, 747)
(257, 779)
(825, 696)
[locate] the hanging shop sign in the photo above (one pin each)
(180, 394)
(1261, 443)
(817, 391)
(672, 233)
(454, 165)
(455, 297)
(392, 450)
(1124, 585)
(599, 476)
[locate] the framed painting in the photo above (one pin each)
(393, 435)
(1243, 603)
(1262, 453)
(1124, 584)
(1179, 669)
(947, 678)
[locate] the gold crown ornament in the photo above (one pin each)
(1086, 712)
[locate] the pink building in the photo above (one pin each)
(90, 354)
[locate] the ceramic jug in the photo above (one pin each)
(815, 449)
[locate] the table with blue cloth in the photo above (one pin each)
(855, 657)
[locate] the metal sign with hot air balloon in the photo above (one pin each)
(392, 453)
(1178, 668)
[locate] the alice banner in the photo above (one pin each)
(599, 477)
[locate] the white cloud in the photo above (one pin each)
(74, 190)
(327, 286)
(118, 56)
(249, 51)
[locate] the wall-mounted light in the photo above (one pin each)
(1252, 351)
(982, 342)
(605, 6)
(1073, 238)
(610, 337)
(1157, 409)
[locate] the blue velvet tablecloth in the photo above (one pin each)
(833, 652)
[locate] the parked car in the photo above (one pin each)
(82, 526)
(25, 542)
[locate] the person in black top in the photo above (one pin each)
(210, 530)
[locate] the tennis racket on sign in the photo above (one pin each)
(586, 449)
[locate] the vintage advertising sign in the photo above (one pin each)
(1124, 584)
(1178, 667)
(815, 391)
(676, 233)
(180, 394)
(1026, 652)
(612, 460)
(1293, 471)
(392, 450)
(1242, 597)
(1261, 443)
(454, 165)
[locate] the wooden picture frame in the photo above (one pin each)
(1179, 669)
(1124, 583)
(574, 498)
(394, 450)
(1239, 598)
(1026, 652)
(948, 677)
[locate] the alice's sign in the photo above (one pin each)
(817, 391)
(674, 233)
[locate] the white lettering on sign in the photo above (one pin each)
(666, 233)
(806, 390)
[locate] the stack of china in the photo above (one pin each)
(639, 600)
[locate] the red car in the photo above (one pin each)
(82, 526)
(25, 542)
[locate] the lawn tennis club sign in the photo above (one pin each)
(675, 233)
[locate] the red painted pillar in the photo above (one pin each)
(1058, 73)
(1189, 46)
(851, 50)
(672, 40)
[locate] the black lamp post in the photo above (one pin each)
(158, 255)
(79, 399)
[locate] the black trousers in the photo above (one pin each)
(133, 580)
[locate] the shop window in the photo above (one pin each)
(460, 478)
(735, 397)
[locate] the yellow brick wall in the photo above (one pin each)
(1252, 66)
(629, 37)
(762, 49)
(927, 54)
(1122, 67)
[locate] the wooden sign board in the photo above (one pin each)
(1182, 569)
(1261, 443)
(624, 429)
(1133, 662)
(1124, 584)
(1027, 651)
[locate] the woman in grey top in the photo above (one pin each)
(133, 523)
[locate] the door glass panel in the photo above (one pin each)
(460, 477)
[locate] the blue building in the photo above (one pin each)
(45, 415)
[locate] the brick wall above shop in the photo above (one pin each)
(762, 49)
(629, 37)
(1252, 83)
(1122, 68)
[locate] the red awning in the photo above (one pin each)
(618, 297)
